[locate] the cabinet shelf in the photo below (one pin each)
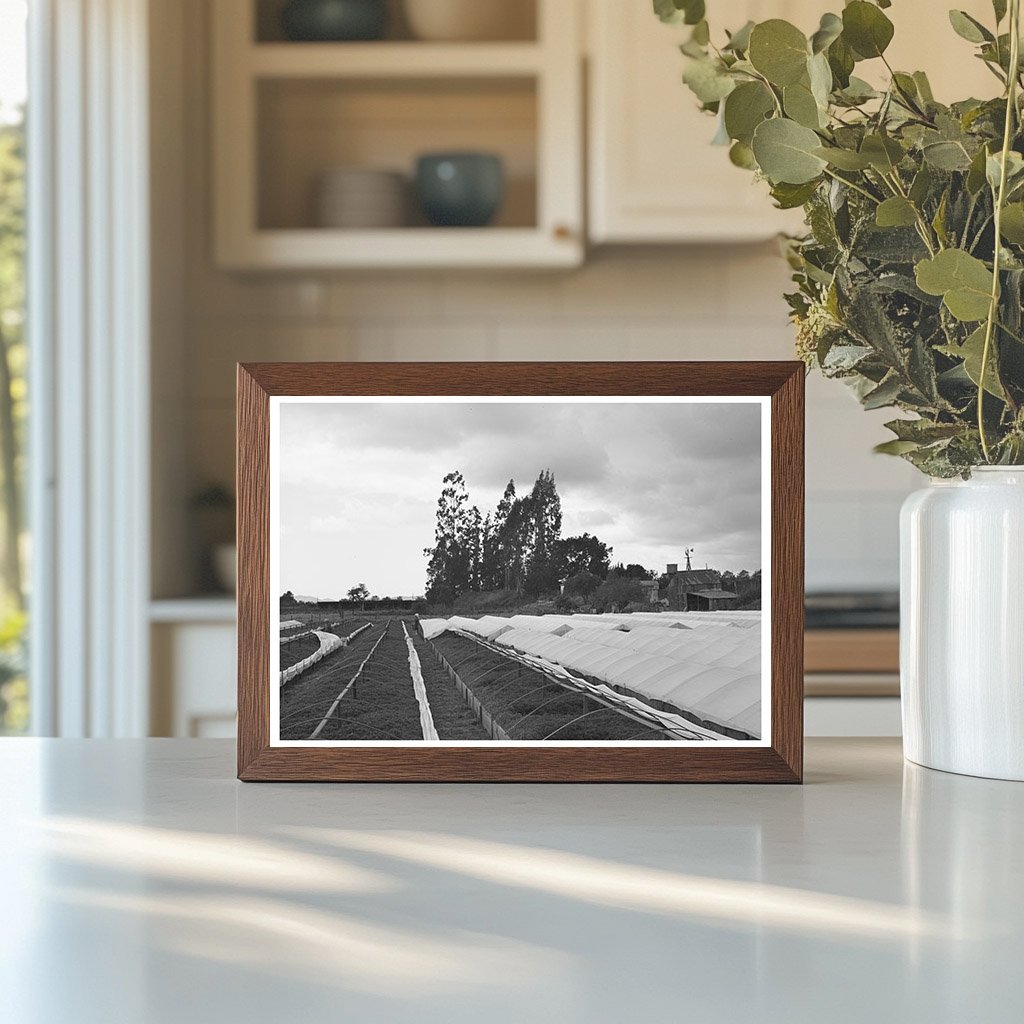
(287, 113)
(393, 60)
(310, 248)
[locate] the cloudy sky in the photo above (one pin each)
(360, 482)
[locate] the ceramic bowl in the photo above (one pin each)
(334, 20)
(469, 20)
(460, 189)
(358, 197)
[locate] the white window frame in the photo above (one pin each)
(89, 331)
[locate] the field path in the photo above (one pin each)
(452, 717)
(419, 688)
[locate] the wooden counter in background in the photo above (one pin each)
(852, 662)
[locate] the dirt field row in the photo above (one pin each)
(381, 703)
(528, 705)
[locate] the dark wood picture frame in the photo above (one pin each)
(779, 761)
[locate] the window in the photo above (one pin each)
(14, 551)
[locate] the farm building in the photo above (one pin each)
(650, 589)
(709, 600)
(682, 584)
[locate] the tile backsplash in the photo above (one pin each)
(699, 303)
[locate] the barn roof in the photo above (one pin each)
(694, 577)
(715, 595)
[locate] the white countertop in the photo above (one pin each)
(142, 885)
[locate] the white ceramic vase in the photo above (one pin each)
(962, 624)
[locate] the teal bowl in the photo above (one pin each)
(460, 190)
(334, 21)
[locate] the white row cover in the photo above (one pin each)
(433, 627)
(713, 693)
(328, 642)
(699, 662)
(671, 620)
(290, 624)
(740, 650)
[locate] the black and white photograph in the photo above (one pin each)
(519, 570)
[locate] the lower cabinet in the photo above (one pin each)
(852, 716)
(193, 679)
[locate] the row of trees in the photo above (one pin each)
(517, 547)
(746, 586)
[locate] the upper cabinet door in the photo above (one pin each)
(654, 175)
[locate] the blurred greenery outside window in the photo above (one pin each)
(14, 691)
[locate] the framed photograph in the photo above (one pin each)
(517, 572)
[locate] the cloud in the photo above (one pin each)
(360, 481)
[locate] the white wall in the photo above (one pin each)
(657, 303)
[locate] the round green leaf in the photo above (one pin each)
(708, 81)
(972, 352)
(789, 197)
(866, 29)
(820, 76)
(747, 106)
(801, 106)
(1012, 225)
(778, 50)
(830, 30)
(882, 152)
(962, 280)
(947, 156)
(740, 39)
(844, 159)
(968, 28)
(841, 61)
(785, 152)
(743, 156)
(674, 12)
(896, 212)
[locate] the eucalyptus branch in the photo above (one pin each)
(970, 216)
(981, 231)
(771, 89)
(1000, 200)
(850, 184)
(873, 300)
(923, 227)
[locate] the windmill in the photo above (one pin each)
(688, 552)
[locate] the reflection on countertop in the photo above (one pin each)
(147, 885)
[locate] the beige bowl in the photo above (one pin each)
(361, 198)
(471, 20)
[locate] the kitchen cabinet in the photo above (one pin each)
(653, 175)
(192, 650)
(851, 682)
(287, 113)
